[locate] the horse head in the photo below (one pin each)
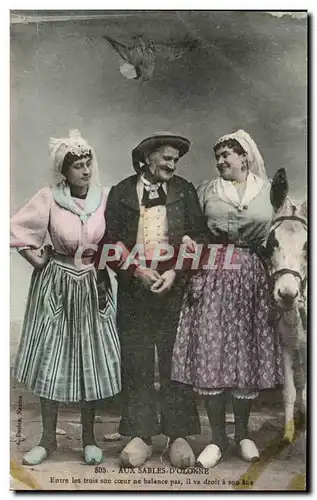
(287, 245)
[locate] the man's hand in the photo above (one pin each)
(191, 245)
(146, 276)
(164, 283)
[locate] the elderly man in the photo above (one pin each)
(153, 208)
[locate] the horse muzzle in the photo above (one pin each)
(287, 288)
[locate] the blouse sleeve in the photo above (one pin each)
(30, 224)
(201, 193)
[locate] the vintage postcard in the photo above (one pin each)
(158, 250)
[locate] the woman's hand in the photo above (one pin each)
(36, 260)
(164, 283)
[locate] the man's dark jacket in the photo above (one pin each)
(184, 214)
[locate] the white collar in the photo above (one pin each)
(227, 191)
(140, 188)
(63, 198)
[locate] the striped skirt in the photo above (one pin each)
(69, 349)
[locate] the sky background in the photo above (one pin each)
(249, 70)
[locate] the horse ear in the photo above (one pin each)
(303, 210)
(279, 189)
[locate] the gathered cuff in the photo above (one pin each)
(19, 249)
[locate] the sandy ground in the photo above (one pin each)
(281, 467)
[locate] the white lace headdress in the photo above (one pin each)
(76, 145)
(255, 160)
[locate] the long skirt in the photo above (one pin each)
(225, 337)
(69, 349)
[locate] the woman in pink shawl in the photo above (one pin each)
(69, 348)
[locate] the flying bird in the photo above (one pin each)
(139, 58)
